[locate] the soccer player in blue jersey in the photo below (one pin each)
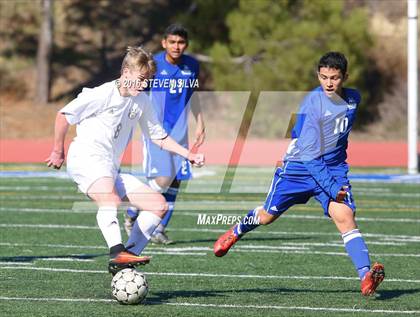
(171, 92)
(315, 166)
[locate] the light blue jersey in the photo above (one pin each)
(171, 91)
(315, 162)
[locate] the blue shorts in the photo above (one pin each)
(287, 190)
(158, 162)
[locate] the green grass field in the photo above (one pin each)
(54, 260)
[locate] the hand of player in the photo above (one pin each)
(342, 194)
(56, 159)
(196, 159)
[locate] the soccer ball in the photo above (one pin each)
(129, 286)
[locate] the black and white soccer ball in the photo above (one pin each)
(129, 286)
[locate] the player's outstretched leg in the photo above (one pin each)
(356, 248)
(230, 237)
(372, 279)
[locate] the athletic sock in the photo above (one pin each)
(357, 250)
(170, 197)
(113, 251)
(248, 223)
(132, 212)
(142, 230)
(108, 223)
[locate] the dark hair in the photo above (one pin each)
(335, 60)
(176, 29)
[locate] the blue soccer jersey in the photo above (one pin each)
(320, 137)
(171, 91)
(315, 162)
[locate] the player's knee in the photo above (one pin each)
(159, 205)
(264, 217)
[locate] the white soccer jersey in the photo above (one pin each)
(106, 120)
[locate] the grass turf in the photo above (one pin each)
(53, 258)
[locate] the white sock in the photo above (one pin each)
(143, 228)
(108, 223)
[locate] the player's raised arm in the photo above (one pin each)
(56, 158)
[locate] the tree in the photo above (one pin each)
(280, 42)
(43, 61)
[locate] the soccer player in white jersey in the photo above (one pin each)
(106, 117)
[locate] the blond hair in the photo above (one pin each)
(138, 58)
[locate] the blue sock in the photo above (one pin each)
(170, 197)
(248, 223)
(168, 215)
(132, 212)
(357, 250)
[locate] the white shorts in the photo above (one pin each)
(85, 169)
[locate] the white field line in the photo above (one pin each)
(280, 246)
(248, 248)
(40, 197)
(168, 252)
(49, 210)
(148, 251)
(15, 263)
(195, 214)
(49, 188)
(212, 275)
(288, 233)
(406, 195)
(308, 233)
(63, 260)
(45, 245)
(258, 307)
(71, 187)
(308, 217)
(304, 308)
(326, 253)
(264, 190)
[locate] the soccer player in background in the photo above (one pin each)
(315, 166)
(106, 117)
(172, 95)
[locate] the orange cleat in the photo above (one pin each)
(372, 279)
(225, 242)
(125, 260)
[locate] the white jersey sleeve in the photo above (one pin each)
(149, 123)
(89, 102)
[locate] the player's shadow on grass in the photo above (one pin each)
(157, 298)
(390, 294)
(245, 239)
(25, 258)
